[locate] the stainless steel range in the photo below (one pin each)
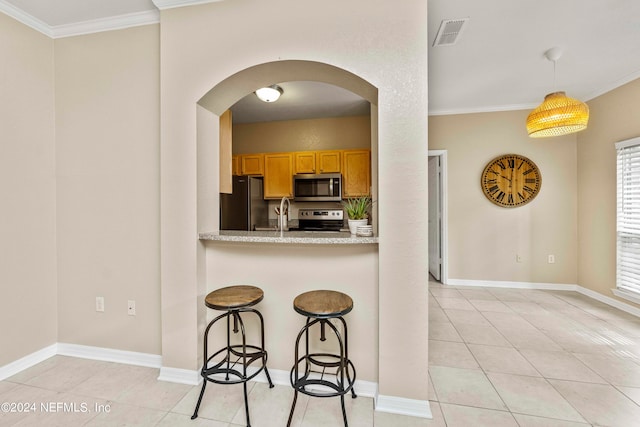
(320, 219)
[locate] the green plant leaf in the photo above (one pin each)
(357, 207)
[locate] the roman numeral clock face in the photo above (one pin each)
(511, 180)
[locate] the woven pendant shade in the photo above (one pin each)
(557, 115)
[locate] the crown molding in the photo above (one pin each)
(23, 17)
(96, 25)
(106, 24)
(79, 28)
(487, 109)
(170, 4)
(614, 85)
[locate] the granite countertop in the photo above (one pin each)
(299, 237)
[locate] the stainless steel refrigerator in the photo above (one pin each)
(245, 208)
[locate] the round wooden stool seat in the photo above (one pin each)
(233, 297)
(323, 304)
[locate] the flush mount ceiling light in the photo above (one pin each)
(558, 114)
(270, 93)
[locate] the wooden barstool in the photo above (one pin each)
(234, 300)
(319, 307)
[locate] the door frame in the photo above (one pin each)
(444, 274)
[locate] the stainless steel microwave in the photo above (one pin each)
(325, 187)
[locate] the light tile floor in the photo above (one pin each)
(497, 357)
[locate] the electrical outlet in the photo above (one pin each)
(99, 303)
(131, 307)
(518, 258)
(551, 259)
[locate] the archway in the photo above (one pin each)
(226, 93)
(236, 86)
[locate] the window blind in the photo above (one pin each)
(628, 216)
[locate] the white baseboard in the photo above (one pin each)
(610, 301)
(514, 285)
(83, 352)
(549, 286)
(27, 361)
(181, 376)
(403, 406)
(110, 355)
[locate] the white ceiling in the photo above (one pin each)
(301, 99)
(497, 64)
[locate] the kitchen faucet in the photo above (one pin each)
(284, 214)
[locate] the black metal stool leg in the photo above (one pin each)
(195, 412)
(346, 356)
(205, 348)
(264, 356)
(266, 372)
(229, 313)
(237, 320)
(246, 403)
(344, 411)
(293, 407)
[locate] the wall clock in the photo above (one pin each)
(511, 180)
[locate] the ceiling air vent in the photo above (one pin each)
(449, 32)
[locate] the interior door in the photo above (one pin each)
(435, 208)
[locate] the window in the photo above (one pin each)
(628, 220)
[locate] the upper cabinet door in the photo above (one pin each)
(236, 166)
(278, 175)
(305, 162)
(252, 164)
(226, 164)
(328, 161)
(356, 173)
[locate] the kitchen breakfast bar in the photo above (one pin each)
(288, 264)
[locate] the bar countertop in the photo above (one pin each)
(289, 237)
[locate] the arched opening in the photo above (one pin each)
(235, 87)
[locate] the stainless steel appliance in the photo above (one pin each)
(326, 187)
(245, 208)
(320, 219)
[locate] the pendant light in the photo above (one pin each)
(270, 93)
(558, 114)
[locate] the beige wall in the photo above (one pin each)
(201, 47)
(484, 238)
(28, 306)
(107, 123)
(614, 117)
(341, 133)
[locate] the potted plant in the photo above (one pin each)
(357, 209)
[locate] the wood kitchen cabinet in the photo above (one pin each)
(236, 166)
(317, 161)
(328, 161)
(356, 173)
(304, 162)
(278, 175)
(226, 159)
(252, 164)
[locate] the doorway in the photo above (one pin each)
(437, 214)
